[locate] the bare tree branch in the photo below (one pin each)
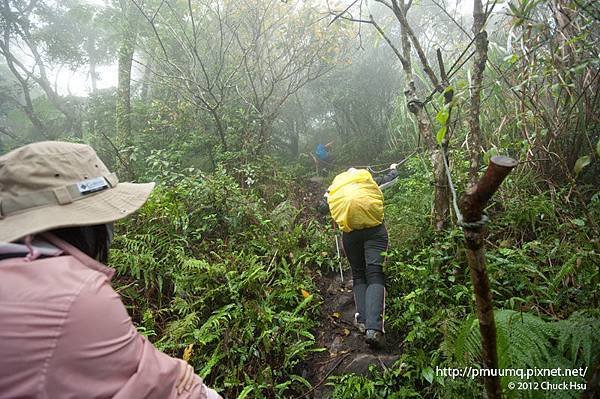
(389, 42)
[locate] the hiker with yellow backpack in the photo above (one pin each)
(355, 202)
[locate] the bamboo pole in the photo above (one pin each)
(471, 206)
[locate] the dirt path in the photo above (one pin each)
(345, 350)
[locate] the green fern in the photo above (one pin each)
(526, 341)
(578, 337)
(567, 269)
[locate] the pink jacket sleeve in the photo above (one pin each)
(100, 353)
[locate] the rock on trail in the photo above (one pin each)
(345, 350)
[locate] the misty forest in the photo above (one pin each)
(488, 111)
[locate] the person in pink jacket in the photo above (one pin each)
(64, 332)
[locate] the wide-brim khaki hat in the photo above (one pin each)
(49, 185)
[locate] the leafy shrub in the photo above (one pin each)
(205, 266)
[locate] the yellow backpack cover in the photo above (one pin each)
(355, 200)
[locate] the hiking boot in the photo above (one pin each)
(374, 339)
(358, 325)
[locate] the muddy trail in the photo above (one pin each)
(345, 351)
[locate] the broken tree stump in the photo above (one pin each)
(471, 207)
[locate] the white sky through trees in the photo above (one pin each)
(78, 82)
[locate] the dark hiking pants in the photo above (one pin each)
(364, 251)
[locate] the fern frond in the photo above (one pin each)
(526, 341)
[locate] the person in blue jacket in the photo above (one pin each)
(323, 157)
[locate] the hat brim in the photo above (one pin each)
(103, 207)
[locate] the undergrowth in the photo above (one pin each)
(208, 266)
(225, 265)
(542, 258)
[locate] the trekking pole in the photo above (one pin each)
(337, 248)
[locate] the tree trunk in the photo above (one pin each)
(481, 46)
(441, 204)
(17, 26)
(26, 108)
(220, 128)
(471, 206)
(264, 133)
(92, 57)
(473, 203)
(295, 139)
(123, 109)
(146, 79)
(125, 60)
(72, 117)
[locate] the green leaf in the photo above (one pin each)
(448, 89)
(245, 392)
(579, 67)
(582, 163)
(511, 58)
(427, 373)
(377, 40)
(442, 116)
(578, 222)
(441, 134)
